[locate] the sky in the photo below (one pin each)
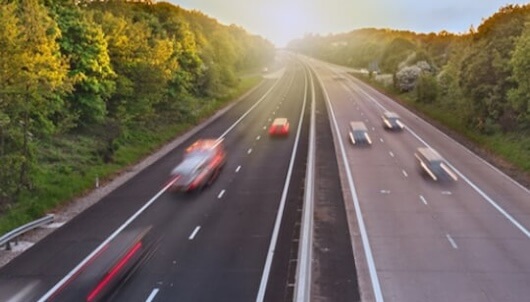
(280, 21)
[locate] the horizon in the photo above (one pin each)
(281, 22)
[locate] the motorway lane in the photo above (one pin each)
(50, 259)
(430, 241)
(223, 260)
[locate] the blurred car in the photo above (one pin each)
(359, 134)
(391, 121)
(434, 165)
(202, 163)
(279, 127)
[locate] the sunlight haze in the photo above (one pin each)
(283, 20)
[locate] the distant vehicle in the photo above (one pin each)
(391, 121)
(279, 127)
(359, 134)
(434, 165)
(202, 163)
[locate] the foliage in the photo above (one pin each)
(482, 74)
(105, 69)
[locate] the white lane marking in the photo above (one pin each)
(304, 267)
(373, 128)
(510, 218)
(447, 193)
(358, 213)
(270, 119)
(264, 127)
(279, 216)
(238, 168)
(249, 151)
(258, 137)
(248, 111)
(152, 295)
(194, 233)
(453, 243)
(449, 138)
(274, 113)
(385, 191)
(391, 153)
(221, 194)
(423, 199)
(382, 140)
(100, 247)
(404, 173)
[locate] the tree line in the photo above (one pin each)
(480, 75)
(105, 67)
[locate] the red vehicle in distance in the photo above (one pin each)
(279, 127)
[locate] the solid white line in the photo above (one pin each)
(479, 191)
(516, 223)
(221, 194)
(249, 151)
(76, 269)
(423, 199)
(152, 295)
(98, 249)
(453, 243)
(462, 146)
(303, 269)
(279, 216)
(238, 168)
(391, 153)
(358, 213)
(248, 111)
(195, 231)
(404, 173)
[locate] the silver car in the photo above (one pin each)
(434, 165)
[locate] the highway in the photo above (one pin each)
(379, 230)
(416, 239)
(205, 246)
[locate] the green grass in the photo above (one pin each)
(68, 165)
(511, 148)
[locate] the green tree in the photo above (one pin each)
(519, 96)
(83, 43)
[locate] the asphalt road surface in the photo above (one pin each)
(415, 239)
(206, 246)
(381, 229)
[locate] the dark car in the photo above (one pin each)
(359, 134)
(391, 121)
(434, 165)
(202, 163)
(279, 127)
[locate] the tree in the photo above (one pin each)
(34, 78)
(82, 42)
(519, 96)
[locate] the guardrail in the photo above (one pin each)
(13, 235)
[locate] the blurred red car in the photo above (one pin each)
(279, 127)
(202, 163)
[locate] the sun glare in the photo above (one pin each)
(290, 22)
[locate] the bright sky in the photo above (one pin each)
(283, 20)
